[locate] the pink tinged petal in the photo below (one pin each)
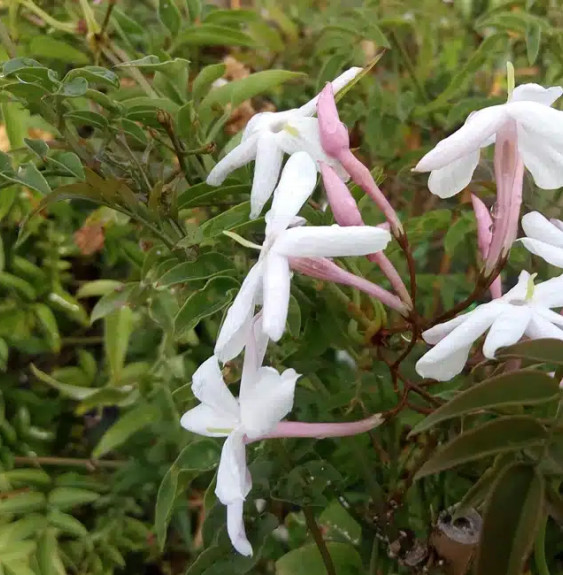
(333, 133)
(484, 225)
(342, 203)
(445, 368)
(297, 182)
(337, 84)
(205, 420)
(209, 387)
(538, 227)
(451, 179)
(276, 295)
(235, 528)
(441, 330)
(238, 321)
(331, 241)
(507, 329)
(233, 480)
(268, 401)
(536, 93)
(540, 328)
(549, 293)
(481, 126)
(266, 173)
(549, 253)
(244, 153)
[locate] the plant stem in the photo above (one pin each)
(319, 540)
(409, 66)
(90, 464)
(63, 26)
(7, 40)
(539, 549)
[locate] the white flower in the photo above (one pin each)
(539, 131)
(545, 237)
(265, 398)
(268, 136)
(268, 282)
(523, 311)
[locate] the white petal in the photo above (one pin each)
(469, 138)
(276, 295)
(507, 329)
(540, 328)
(538, 227)
(297, 182)
(233, 480)
(549, 293)
(549, 253)
(520, 290)
(209, 387)
(445, 368)
(549, 315)
(451, 179)
(338, 83)
(238, 322)
(331, 241)
(254, 352)
(269, 158)
(441, 330)
(244, 153)
(459, 339)
(557, 223)
(265, 403)
(205, 420)
(536, 93)
(235, 528)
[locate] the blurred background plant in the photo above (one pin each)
(111, 300)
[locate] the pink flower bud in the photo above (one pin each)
(343, 205)
(334, 134)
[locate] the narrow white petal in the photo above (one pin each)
(277, 278)
(536, 93)
(451, 179)
(507, 329)
(550, 315)
(338, 83)
(268, 401)
(540, 328)
(233, 479)
(205, 420)
(519, 291)
(254, 353)
(209, 387)
(549, 293)
(445, 368)
(269, 158)
(460, 338)
(238, 321)
(331, 241)
(538, 227)
(244, 153)
(549, 253)
(297, 182)
(235, 528)
(441, 330)
(481, 126)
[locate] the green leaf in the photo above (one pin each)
(127, 425)
(47, 554)
(23, 503)
(66, 523)
(203, 81)
(226, 220)
(549, 351)
(206, 266)
(47, 47)
(118, 327)
(204, 194)
(97, 288)
(87, 118)
(28, 175)
(113, 301)
(169, 15)
(26, 477)
(134, 131)
(94, 75)
(197, 457)
(307, 560)
(15, 118)
(69, 497)
(533, 41)
(194, 9)
(68, 162)
(212, 298)
(214, 35)
(73, 88)
(38, 147)
(498, 436)
(525, 387)
(72, 391)
(512, 514)
(238, 91)
(48, 324)
(18, 285)
(294, 317)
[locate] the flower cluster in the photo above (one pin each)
(526, 132)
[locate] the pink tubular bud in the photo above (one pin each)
(326, 270)
(333, 133)
(343, 205)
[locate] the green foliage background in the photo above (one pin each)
(110, 106)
